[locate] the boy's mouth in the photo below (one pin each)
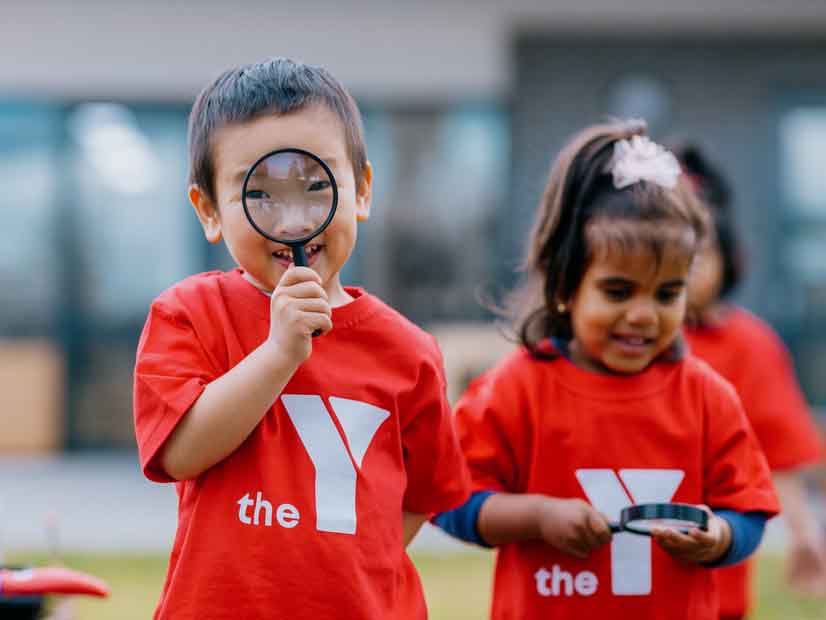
(285, 255)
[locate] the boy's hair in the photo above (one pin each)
(580, 190)
(713, 189)
(276, 86)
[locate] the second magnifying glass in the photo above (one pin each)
(643, 518)
(290, 196)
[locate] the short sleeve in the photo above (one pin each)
(777, 409)
(171, 371)
(736, 473)
(437, 478)
(489, 438)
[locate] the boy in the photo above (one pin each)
(303, 465)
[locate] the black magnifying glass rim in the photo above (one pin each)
(317, 231)
(642, 512)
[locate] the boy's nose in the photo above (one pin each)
(293, 224)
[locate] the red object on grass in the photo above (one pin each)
(49, 580)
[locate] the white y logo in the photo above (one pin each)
(630, 554)
(335, 471)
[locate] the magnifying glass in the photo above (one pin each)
(642, 518)
(290, 196)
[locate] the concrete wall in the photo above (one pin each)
(390, 50)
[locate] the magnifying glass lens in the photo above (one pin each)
(289, 196)
(647, 525)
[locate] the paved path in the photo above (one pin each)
(99, 502)
(102, 502)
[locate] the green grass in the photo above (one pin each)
(775, 602)
(457, 586)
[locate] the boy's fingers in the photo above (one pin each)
(320, 322)
(313, 305)
(294, 275)
(304, 289)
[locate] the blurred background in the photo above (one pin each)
(465, 104)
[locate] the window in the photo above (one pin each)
(440, 178)
(801, 132)
(30, 253)
(137, 231)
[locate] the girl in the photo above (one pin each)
(747, 352)
(599, 408)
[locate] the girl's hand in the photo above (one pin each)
(697, 546)
(298, 307)
(572, 525)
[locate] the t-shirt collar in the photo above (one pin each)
(258, 301)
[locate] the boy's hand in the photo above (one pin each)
(572, 525)
(697, 546)
(298, 307)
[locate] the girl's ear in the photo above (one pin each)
(207, 213)
(364, 194)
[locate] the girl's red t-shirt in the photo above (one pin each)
(673, 433)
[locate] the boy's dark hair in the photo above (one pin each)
(275, 86)
(580, 191)
(713, 189)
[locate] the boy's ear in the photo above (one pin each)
(207, 212)
(364, 194)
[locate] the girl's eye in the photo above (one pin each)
(667, 296)
(617, 294)
(318, 186)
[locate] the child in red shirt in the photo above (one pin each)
(303, 465)
(599, 409)
(746, 351)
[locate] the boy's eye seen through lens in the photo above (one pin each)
(319, 186)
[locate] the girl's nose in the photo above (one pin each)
(641, 313)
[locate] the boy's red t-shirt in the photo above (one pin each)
(747, 352)
(675, 432)
(304, 519)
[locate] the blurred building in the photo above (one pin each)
(465, 104)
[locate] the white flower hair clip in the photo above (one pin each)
(640, 159)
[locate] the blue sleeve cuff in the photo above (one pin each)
(746, 533)
(462, 522)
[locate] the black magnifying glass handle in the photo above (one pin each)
(615, 527)
(299, 255)
(300, 260)
(289, 197)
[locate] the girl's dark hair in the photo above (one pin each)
(580, 190)
(712, 188)
(276, 86)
